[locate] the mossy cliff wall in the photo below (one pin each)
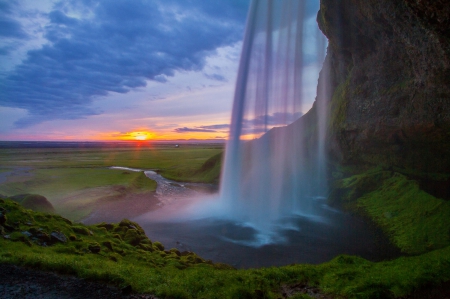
(389, 70)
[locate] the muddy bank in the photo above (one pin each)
(115, 208)
(125, 204)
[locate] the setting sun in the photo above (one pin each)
(141, 135)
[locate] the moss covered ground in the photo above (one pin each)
(415, 221)
(121, 254)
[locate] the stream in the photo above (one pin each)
(168, 191)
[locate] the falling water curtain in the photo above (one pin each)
(263, 176)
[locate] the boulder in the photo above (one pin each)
(58, 237)
(34, 202)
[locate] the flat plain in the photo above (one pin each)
(76, 180)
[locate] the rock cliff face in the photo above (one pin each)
(389, 70)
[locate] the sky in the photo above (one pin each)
(119, 70)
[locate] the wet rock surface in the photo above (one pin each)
(58, 237)
(389, 66)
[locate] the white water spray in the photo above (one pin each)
(274, 162)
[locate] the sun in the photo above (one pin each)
(141, 135)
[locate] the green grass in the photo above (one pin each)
(128, 257)
(74, 191)
(209, 172)
(184, 160)
(74, 180)
(55, 182)
(415, 221)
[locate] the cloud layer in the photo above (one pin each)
(95, 47)
(257, 125)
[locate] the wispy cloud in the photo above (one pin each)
(219, 128)
(186, 130)
(216, 127)
(98, 47)
(216, 77)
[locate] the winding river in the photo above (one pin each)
(168, 191)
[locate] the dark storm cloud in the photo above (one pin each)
(216, 127)
(117, 47)
(9, 27)
(196, 129)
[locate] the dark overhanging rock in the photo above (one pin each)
(389, 67)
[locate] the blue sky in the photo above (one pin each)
(107, 69)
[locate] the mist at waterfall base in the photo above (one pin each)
(271, 208)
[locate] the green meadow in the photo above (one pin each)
(75, 179)
(178, 162)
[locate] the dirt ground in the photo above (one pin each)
(115, 208)
(23, 283)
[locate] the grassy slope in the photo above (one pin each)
(127, 257)
(415, 221)
(73, 191)
(208, 172)
(56, 182)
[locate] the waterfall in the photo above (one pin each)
(275, 157)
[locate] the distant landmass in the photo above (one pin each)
(101, 144)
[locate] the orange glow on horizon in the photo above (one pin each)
(140, 136)
(132, 136)
(146, 135)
